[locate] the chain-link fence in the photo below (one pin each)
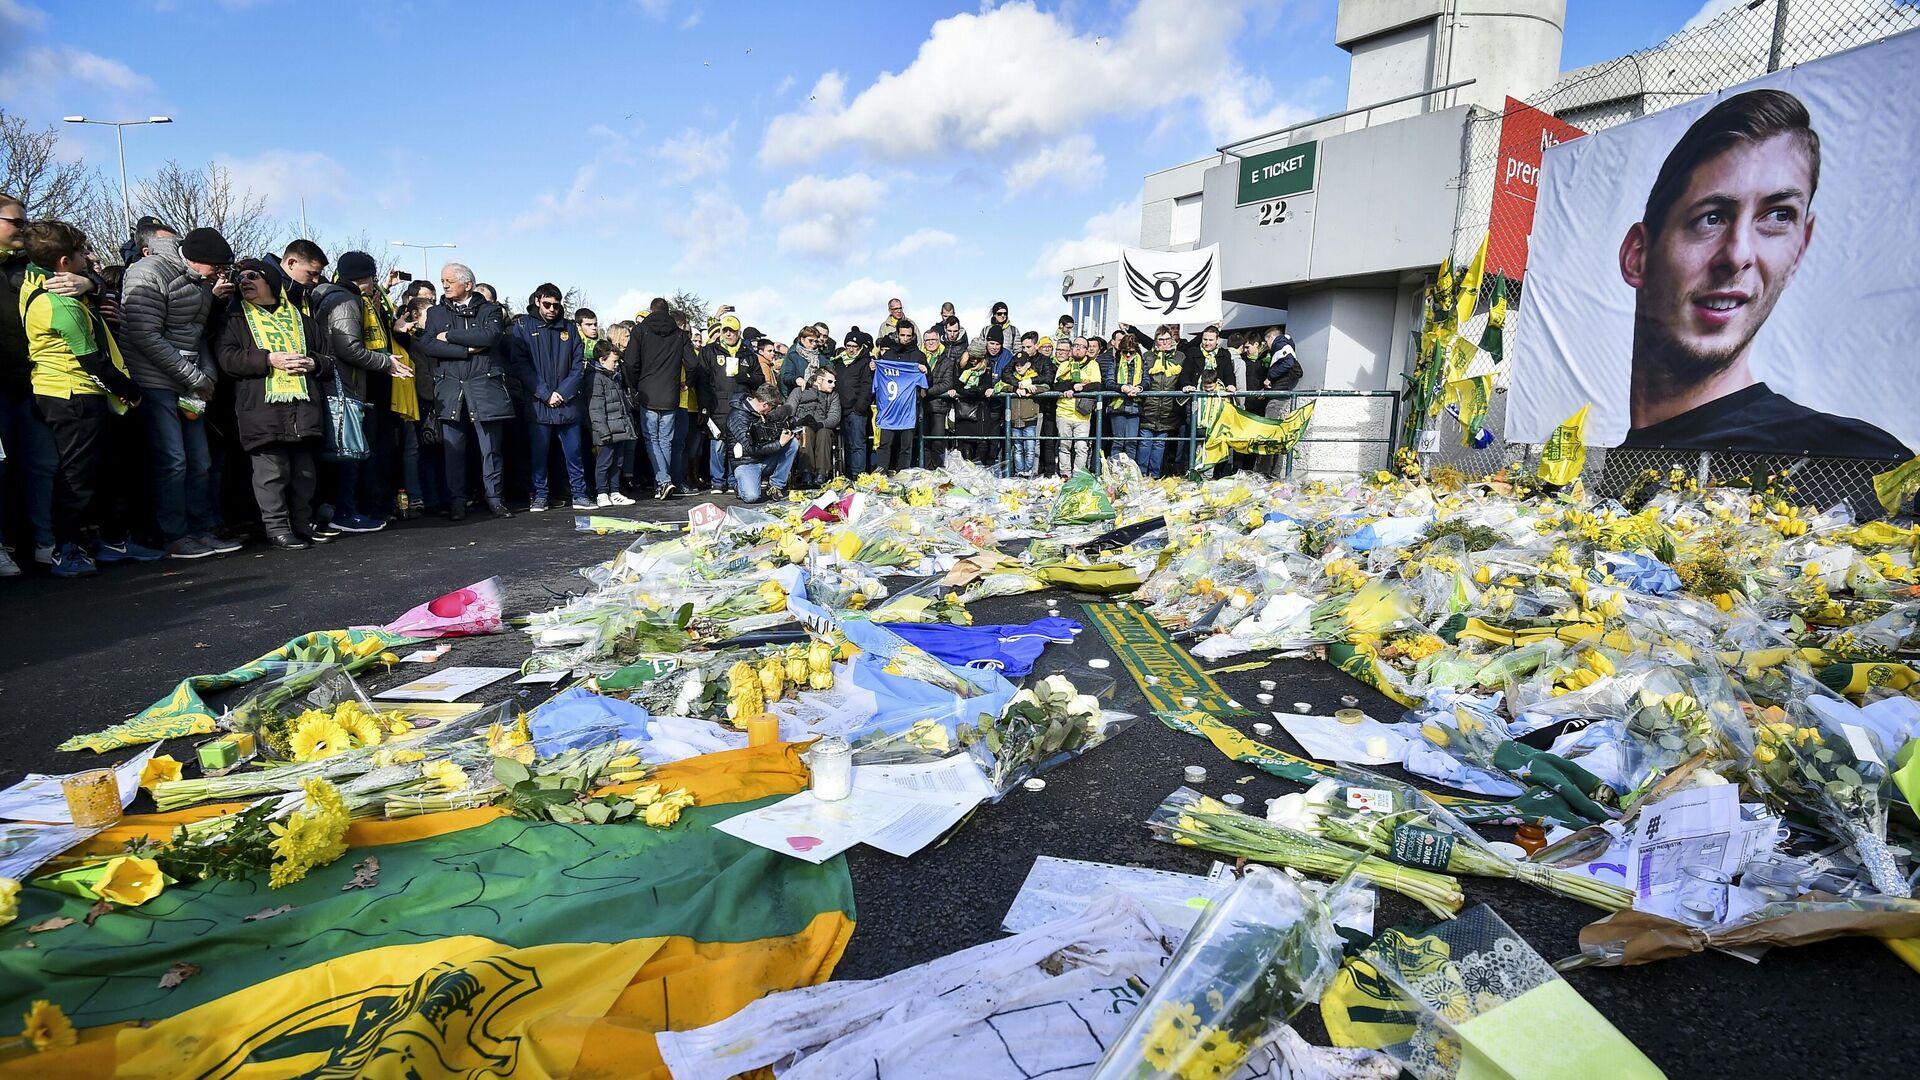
(1743, 43)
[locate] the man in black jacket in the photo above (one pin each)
(853, 366)
(728, 369)
(28, 440)
(465, 337)
(760, 444)
(658, 355)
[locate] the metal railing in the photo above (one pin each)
(1367, 439)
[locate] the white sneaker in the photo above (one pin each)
(603, 500)
(537, 508)
(43, 555)
(7, 566)
(618, 499)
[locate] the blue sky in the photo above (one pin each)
(800, 161)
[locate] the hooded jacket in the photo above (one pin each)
(607, 406)
(163, 323)
(262, 422)
(658, 354)
(467, 385)
(336, 308)
(551, 360)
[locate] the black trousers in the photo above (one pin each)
(896, 450)
(284, 478)
(454, 435)
(82, 511)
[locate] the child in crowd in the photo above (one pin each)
(615, 433)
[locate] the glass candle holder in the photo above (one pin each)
(93, 798)
(831, 762)
(1703, 894)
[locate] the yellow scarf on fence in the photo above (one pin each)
(405, 399)
(278, 329)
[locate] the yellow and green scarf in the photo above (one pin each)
(1167, 364)
(405, 398)
(279, 329)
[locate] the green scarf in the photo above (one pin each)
(845, 357)
(970, 377)
(932, 359)
(1166, 363)
(279, 329)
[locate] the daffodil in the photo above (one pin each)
(46, 1026)
(129, 882)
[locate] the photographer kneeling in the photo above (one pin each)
(760, 438)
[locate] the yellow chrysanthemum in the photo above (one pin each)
(46, 1026)
(1214, 1055)
(9, 900)
(449, 776)
(313, 836)
(158, 770)
(318, 736)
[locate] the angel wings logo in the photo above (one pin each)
(1167, 291)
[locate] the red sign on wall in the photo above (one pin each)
(1525, 134)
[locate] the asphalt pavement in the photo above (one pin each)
(77, 656)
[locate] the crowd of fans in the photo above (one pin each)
(191, 399)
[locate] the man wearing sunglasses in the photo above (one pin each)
(551, 360)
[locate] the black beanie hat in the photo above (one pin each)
(355, 265)
(204, 245)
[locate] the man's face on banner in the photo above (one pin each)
(1724, 254)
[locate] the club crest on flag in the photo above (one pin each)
(1170, 286)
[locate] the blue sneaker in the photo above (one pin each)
(72, 561)
(357, 523)
(125, 551)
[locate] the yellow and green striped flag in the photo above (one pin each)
(490, 946)
(1897, 485)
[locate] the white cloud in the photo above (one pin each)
(21, 16)
(576, 204)
(714, 226)
(780, 90)
(764, 307)
(628, 305)
(1072, 164)
(821, 217)
(1711, 10)
(920, 240)
(284, 177)
(1100, 240)
(863, 299)
(1166, 54)
(694, 153)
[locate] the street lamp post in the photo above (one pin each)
(120, 135)
(424, 248)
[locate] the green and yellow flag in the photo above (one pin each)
(1565, 454)
(1493, 340)
(1229, 429)
(489, 946)
(1466, 294)
(1898, 484)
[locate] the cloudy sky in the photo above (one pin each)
(800, 161)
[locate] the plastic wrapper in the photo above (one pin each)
(1262, 951)
(1637, 937)
(1045, 724)
(475, 609)
(286, 691)
(1479, 999)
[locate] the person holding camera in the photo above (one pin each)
(762, 444)
(278, 356)
(814, 408)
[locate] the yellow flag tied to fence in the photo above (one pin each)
(1897, 485)
(1231, 430)
(1565, 454)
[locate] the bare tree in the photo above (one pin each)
(691, 304)
(574, 299)
(191, 198)
(32, 170)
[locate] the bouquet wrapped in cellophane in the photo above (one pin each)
(1261, 952)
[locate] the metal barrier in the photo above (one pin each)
(1366, 436)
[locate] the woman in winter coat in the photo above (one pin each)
(615, 435)
(279, 360)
